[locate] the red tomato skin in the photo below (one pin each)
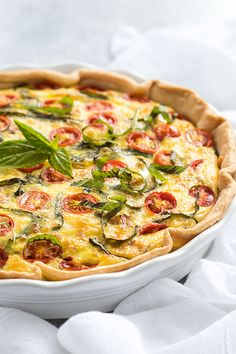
(108, 117)
(71, 131)
(203, 194)
(163, 158)
(78, 197)
(50, 175)
(198, 137)
(31, 169)
(166, 202)
(133, 144)
(47, 251)
(5, 100)
(151, 228)
(25, 201)
(4, 230)
(99, 106)
(6, 123)
(195, 163)
(162, 130)
(110, 164)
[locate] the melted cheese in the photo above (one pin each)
(77, 230)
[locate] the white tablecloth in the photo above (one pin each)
(165, 316)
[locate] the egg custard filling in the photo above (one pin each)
(91, 178)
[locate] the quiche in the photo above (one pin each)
(99, 173)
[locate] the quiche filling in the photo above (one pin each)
(91, 178)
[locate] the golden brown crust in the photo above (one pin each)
(183, 101)
(51, 273)
(11, 274)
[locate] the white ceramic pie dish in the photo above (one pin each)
(102, 291)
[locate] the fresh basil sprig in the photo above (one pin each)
(34, 150)
(173, 169)
(154, 170)
(94, 95)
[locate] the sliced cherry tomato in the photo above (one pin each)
(137, 98)
(3, 257)
(69, 264)
(110, 164)
(162, 130)
(4, 123)
(151, 228)
(33, 200)
(163, 158)
(198, 137)
(6, 100)
(204, 195)
(158, 202)
(72, 205)
(41, 250)
(67, 135)
(6, 224)
(50, 175)
(143, 142)
(49, 102)
(195, 163)
(99, 106)
(108, 117)
(31, 169)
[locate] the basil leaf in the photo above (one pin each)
(154, 171)
(19, 153)
(68, 102)
(161, 110)
(11, 181)
(33, 137)
(173, 169)
(119, 198)
(56, 111)
(94, 95)
(60, 161)
(89, 183)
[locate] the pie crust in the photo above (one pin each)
(184, 101)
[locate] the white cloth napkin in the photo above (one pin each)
(165, 316)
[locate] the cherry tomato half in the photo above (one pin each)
(3, 257)
(158, 202)
(67, 135)
(41, 250)
(108, 117)
(6, 100)
(204, 195)
(143, 142)
(195, 163)
(110, 164)
(33, 200)
(151, 228)
(99, 106)
(162, 130)
(50, 175)
(72, 205)
(163, 158)
(4, 123)
(198, 137)
(6, 224)
(31, 169)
